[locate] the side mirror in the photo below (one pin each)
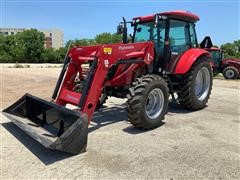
(120, 29)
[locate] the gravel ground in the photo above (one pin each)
(202, 145)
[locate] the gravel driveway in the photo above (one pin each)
(202, 144)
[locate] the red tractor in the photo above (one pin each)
(162, 58)
(229, 67)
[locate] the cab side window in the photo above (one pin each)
(193, 37)
(179, 36)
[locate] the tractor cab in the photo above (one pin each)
(171, 32)
(217, 57)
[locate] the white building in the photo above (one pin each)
(53, 37)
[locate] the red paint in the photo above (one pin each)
(188, 58)
(123, 76)
(108, 56)
(70, 97)
(182, 15)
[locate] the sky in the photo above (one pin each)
(85, 18)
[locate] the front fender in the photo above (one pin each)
(186, 61)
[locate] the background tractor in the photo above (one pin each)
(229, 67)
(162, 58)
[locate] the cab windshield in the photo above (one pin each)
(181, 35)
(147, 32)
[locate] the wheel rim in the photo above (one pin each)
(202, 83)
(229, 73)
(154, 104)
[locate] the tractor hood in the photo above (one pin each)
(84, 51)
(115, 51)
(232, 60)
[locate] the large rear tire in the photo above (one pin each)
(196, 86)
(230, 72)
(148, 102)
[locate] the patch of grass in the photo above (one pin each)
(18, 66)
(27, 66)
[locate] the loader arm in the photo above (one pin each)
(101, 59)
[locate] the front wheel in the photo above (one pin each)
(196, 86)
(148, 102)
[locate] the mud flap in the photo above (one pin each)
(53, 126)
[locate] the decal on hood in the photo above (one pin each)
(125, 47)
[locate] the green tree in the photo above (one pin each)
(108, 38)
(61, 53)
(231, 50)
(80, 42)
(116, 38)
(237, 48)
(84, 42)
(31, 43)
(103, 38)
(49, 55)
(9, 51)
(4, 50)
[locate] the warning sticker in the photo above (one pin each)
(107, 50)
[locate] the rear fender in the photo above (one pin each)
(186, 61)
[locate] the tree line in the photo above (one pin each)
(28, 47)
(231, 50)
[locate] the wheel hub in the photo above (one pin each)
(154, 104)
(230, 74)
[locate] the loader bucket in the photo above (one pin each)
(53, 126)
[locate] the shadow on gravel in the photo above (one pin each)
(133, 130)
(107, 116)
(47, 156)
(103, 117)
(174, 107)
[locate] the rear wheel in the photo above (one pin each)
(148, 102)
(230, 72)
(196, 86)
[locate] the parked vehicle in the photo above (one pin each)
(163, 58)
(229, 67)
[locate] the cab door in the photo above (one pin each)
(158, 38)
(181, 37)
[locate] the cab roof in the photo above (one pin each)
(179, 14)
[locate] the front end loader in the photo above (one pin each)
(162, 58)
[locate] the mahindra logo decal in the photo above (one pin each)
(72, 98)
(125, 47)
